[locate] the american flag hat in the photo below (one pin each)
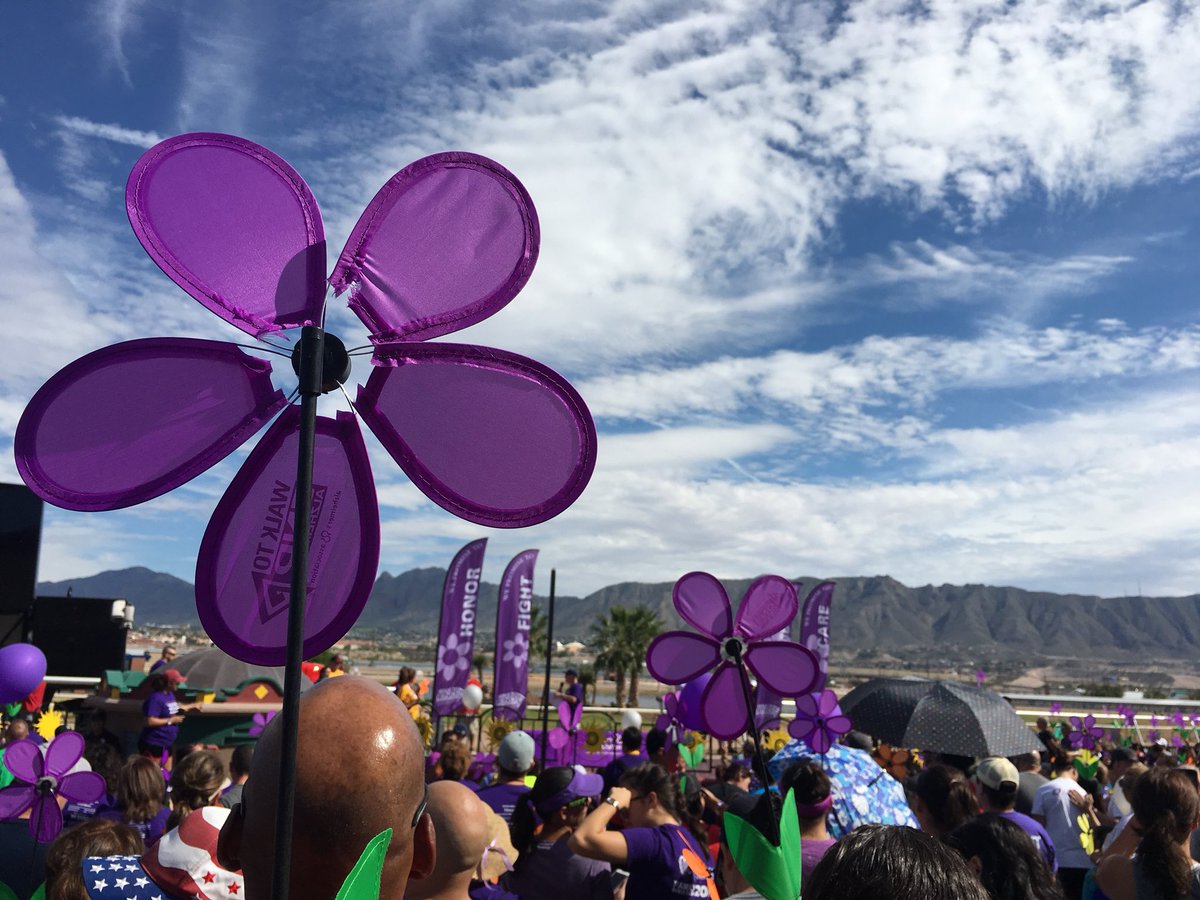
(181, 866)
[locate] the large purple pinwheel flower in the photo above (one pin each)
(45, 779)
(730, 644)
(493, 437)
(819, 721)
(1085, 732)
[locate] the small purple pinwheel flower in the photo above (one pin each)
(1153, 720)
(1153, 735)
(980, 677)
(45, 779)
(260, 721)
(728, 645)
(819, 721)
(669, 720)
(1176, 740)
(1055, 708)
(1085, 732)
(1177, 718)
(1130, 716)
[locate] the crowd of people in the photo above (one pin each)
(1119, 825)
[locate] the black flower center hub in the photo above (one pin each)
(731, 649)
(45, 785)
(335, 363)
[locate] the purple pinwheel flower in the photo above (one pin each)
(563, 736)
(45, 779)
(1153, 735)
(819, 721)
(1176, 740)
(1129, 714)
(1085, 732)
(730, 645)
(1177, 718)
(980, 677)
(1055, 708)
(1153, 720)
(669, 720)
(260, 721)
(445, 243)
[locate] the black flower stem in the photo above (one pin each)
(759, 761)
(312, 351)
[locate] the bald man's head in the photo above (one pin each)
(461, 824)
(359, 770)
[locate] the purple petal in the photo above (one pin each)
(723, 705)
(233, 225)
(838, 724)
(445, 243)
(701, 601)
(768, 607)
(821, 740)
(82, 787)
(243, 572)
(564, 714)
(46, 821)
(801, 729)
(16, 799)
(64, 751)
(24, 759)
(135, 420)
(495, 438)
(557, 738)
(679, 656)
(784, 666)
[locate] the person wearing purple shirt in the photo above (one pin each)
(514, 757)
(546, 866)
(570, 690)
(662, 855)
(162, 714)
(996, 782)
(631, 755)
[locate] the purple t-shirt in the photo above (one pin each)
(1038, 834)
(657, 868)
(161, 705)
(811, 852)
(502, 798)
(552, 870)
(150, 830)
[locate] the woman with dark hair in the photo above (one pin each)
(663, 855)
(406, 690)
(892, 861)
(944, 799)
(814, 799)
(141, 803)
(1005, 859)
(195, 783)
(1166, 809)
(545, 866)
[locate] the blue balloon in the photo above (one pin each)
(689, 703)
(22, 668)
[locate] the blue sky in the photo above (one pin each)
(851, 288)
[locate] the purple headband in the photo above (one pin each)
(581, 786)
(814, 810)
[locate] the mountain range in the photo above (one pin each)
(874, 613)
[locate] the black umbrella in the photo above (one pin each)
(942, 716)
(882, 707)
(213, 670)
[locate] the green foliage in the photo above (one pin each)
(621, 637)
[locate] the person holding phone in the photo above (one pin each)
(664, 856)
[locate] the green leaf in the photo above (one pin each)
(774, 871)
(363, 881)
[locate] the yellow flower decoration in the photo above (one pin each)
(692, 739)
(497, 731)
(595, 736)
(1087, 837)
(49, 722)
(775, 739)
(425, 728)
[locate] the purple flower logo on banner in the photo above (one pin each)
(725, 643)
(516, 649)
(45, 780)
(819, 721)
(1085, 732)
(450, 659)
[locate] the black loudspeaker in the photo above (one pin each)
(81, 636)
(20, 535)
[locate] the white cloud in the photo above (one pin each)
(116, 133)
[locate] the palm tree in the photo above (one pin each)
(539, 633)
(621, 637)
(480, 661)
(639, 627)
(587, 677)
(611, 653)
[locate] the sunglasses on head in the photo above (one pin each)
(578, 802)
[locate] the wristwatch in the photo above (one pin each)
(613, 802)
